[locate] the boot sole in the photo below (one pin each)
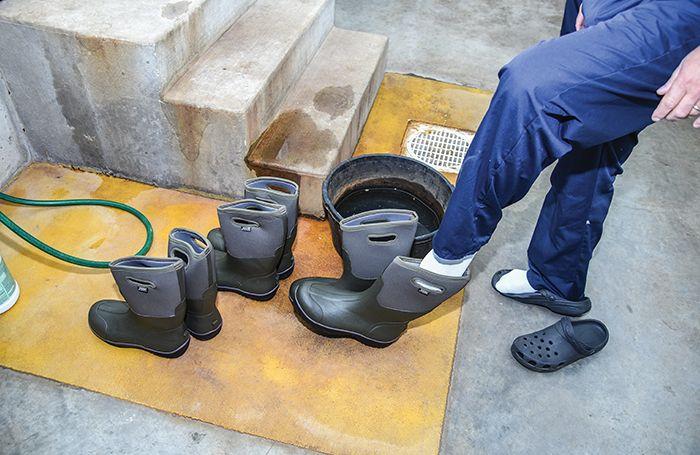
(259, 297)
(331, 332)
(206, 336)
(168, 355)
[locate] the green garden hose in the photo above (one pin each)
(4, 219)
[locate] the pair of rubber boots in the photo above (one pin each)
(167, 299)
(253, 246)
(381, 290)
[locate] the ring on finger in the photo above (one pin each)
(696, 108)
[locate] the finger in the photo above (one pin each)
(580, 19)
(696, 123)
(664, 88)
(682, 110)
(669, 102)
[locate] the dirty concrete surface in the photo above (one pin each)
(640, 395)
(320, 121)
(460, 41)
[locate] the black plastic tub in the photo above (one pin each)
(373, 182)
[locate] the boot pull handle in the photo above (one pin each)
(426, 288)
(244, 225)
(141, 285)
(381, 238)
(374, 221)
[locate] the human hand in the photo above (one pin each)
(580, 20)
(681, 93)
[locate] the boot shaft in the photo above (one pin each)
(371, 240)
(152, 287)
(253, 229)
(411, 291)
(196, 252)
(276, 190)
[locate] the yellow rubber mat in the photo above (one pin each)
(265, 374)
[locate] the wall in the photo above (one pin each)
(14, 154)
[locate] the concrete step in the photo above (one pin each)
(88, 76)
(320, 121)
(229, 95)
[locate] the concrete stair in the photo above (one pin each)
(176, 92)
(229, 95)
(321, 119)
(86, 77)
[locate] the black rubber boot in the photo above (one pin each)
(203, 319)
(153, 316)
(254, 233)
(377, 316)
(370, 241)
(279, 191)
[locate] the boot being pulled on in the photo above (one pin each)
(153, 316)
(203, 319)
(279, 191)
(370, 241)
(377, 316)
(254, 234)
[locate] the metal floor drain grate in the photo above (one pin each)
(440, 147)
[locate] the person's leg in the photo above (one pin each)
(571, 221)
(517, 277)
(575, 92)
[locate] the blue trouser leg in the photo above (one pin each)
(571, 220)
(570, 224)
(570, 94)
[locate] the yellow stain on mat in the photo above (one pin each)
(265, 374)
(404, 98)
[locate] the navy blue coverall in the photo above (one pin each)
(579, 100)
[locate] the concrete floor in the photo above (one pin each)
(460, 41)
(640, 395)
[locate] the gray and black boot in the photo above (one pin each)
(254, 233)
(203, 319)
(153, 316)
(274, 190)
(379, 315)
(370, 241)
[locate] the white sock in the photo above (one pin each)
(440, 266)
(515, 282)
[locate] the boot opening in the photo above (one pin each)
(193, 239)
(273, 184)
(181, 254)
(280, 189)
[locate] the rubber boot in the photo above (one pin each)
(254, 233)
(153, 316)
(203, 319)
(377, 316)
(274, 190)
(370, 241)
